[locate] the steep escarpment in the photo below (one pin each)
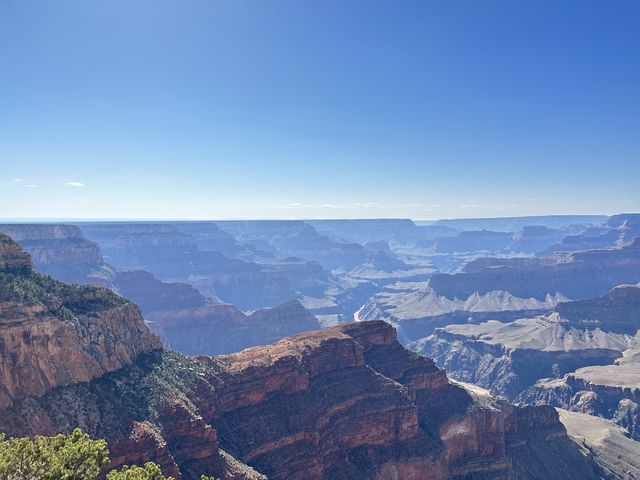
(607, 442)
(361, 406)
(608, 391)
(416, 309)
(347, 402)
(217, 328)
(58, 250)
(172, 255)
(597, 270)
(504, 289)
(510, 356)
(507, 358)
(193, 322)
(583, 357)
(616, 311)
(298, 239)
(53, 334)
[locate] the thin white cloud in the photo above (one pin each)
(473, 204)
(366, 205)
(18, 180)
(353, 206)
(294, 206)
(31, 185)
(75, 184)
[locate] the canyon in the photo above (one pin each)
(539, 311)
(343, 402)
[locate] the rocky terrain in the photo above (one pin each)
(53, 334)
(213, 329)
(504, 289)
(61, 251)
(606, 442)
(394, 231)
(513, 224)
(582, 357)
(297, 239)
(609, 391)
(174, 256)
(343, 402)
(184, 318)
(614, 231)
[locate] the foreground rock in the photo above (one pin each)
(54, 334)
(61, 251)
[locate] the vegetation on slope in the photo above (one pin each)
(66, 457)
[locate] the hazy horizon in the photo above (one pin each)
(185, 219)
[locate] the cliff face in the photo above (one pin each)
(58, 250)
(341, 403)
(213, 329)
(347, 402)
(54, 334)
(297, 239)
(584, 357)
(172, 255)
(608, 391)
(186, 320)
(577, 276)
(616, 311)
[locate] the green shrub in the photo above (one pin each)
(66, 457)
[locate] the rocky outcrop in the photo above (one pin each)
(608, 391)
(192, 321)
(506, 358)
(54, 334)
(341, 403)
(152, 295)
(616, 311)
(297, 239)
(534, 239)
(347, 402)
(214, 329)
(598, 271)
(58, 250)
(360, 406)
(607, 443)
(174, 256)
(506, 289)
(13, 259)
(417, 310)
(616, 231)
(510, 356)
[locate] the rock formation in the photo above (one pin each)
(175, 256)
(607, 443)
(213, 329)
(608, 391)
(583, 357)
(58, 250)
(53, 334)
(347, 402)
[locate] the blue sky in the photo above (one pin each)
(318, 109)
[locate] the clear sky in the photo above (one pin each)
(318, 109)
